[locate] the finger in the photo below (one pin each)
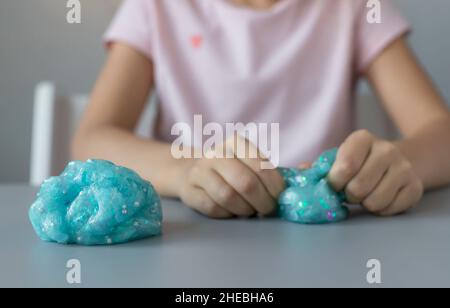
(384, 194)
(350, 158)
(223, 194)
(199, 200)
(369, 176)
(247, 184)
(407, 198)
(249, 154)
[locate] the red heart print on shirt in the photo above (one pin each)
(196, 41)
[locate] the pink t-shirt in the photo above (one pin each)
(295, 64)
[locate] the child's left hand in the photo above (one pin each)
(375, 173)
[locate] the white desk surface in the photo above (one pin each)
(414, 251)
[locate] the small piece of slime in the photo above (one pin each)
(308, 198)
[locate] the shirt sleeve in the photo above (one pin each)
(131, 26)
(373, 38)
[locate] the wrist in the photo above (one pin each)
(177, 176)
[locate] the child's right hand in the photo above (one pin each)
(227, 187)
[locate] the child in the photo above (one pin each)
(293, 62)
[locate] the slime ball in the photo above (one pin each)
(309, 199)
(96, 203)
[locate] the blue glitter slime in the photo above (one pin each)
(309, 199)
(96, 203)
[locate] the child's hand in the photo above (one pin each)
(227, 187)
(375, 173)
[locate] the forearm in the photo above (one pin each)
(150, 159)
(429, 152)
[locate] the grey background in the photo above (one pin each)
(37, 44)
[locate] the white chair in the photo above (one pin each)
(55, 119)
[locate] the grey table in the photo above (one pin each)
(414, 250)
